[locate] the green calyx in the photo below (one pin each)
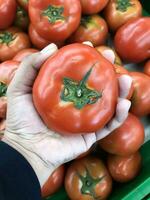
(88, 184)
(54, 14)
(78, 93)
(122, 5)
(6, 37)
(3, 89)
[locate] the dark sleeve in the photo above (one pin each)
(18, 180)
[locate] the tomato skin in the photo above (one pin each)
(116, 17)
(24, 4)
(2, 127)
(19, 40)
(7, 13)
(147, 68)
(96, 170)
(132, 40)
(92, 28)
(124, 168)
(54, 182)
(126, 139)
(93, 6)
(59, 29)
(23, 53)
(75, 61)
(140, 102)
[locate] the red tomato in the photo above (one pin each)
(92, 28)
(141, 96)
(124, 168)
(39, 41)
(118, 12)
(88, 179)
(54, 182)
(55, 20)
(93, 6)
(12, 41)
(132, 40)
(7, 72)
(2, 128)
(23, 53)
(126, 139)
(84, 91)
(7, 13)
(147, 68)
(24, 4)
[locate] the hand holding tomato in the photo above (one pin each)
(25, 127)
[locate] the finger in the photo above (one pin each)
(122, 110)
(27, 72)
(88, 43)
(109, 55)
(125, 83)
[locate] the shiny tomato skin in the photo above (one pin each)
(23, 53)
(117, 15)
(16, 41)
(147, 68)
(126, 139)
(88, 167)
(2, 127)
(24, 4)
(54, 182)
(141, 95)
(65, 117)
(7, 13)
(124, 168)
(92, 28)
(47, 24)
(93, 6)
(132, 40)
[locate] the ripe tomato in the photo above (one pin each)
(54, 182)
(147, 68)
(93, 6)
(7, 13)
(7, 71)
(24, 4)
(12, 41)
(126, 139)
(118, 12)
(141, 96)
(88, 179)
(84, 91)
(92, 28)
(23, 53)
(132, 40)
(124, 168)
(102, 48)
(55, 20)
(2, 127)
(39, 41)
(22, 19)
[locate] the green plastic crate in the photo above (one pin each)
(139, 188)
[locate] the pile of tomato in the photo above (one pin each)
(27, 26)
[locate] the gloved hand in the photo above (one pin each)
(26, 132)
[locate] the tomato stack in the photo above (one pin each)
(86, 82)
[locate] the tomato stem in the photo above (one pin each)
(3, 89)
(54, 13)
(122, 5)
(78, 92)
(6, 37)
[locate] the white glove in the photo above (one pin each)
(26, 132)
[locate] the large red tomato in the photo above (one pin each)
(141, 95)
(124, 168)
(12, 40)
(93, 6)
(118, 12)
(54, 182)
(7, 13)
(23, 53)
(147, 68)
(92, 28)
(132, 40)
(88, 179)
(76, 90)
(55, 20)
(126, 139)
